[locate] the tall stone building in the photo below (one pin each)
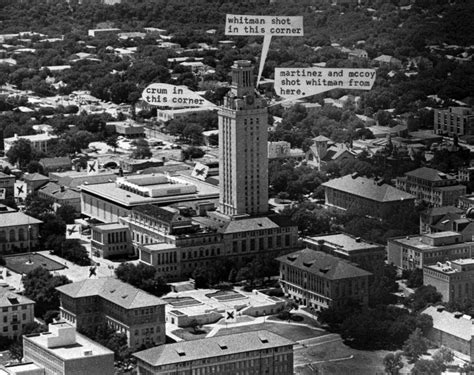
(243, 151)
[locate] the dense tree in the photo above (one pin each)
(21, 152)
(40, 286)
(143, 277)
(423, 296)
(393, 363)
(426, 367)
(415, 345)
(142, 149)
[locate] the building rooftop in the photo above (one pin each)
(322, 264)
(8, 298)
(342, 241)
(129, 198)
(367, 188)
(429, 174)
(455, 324)
(82, 347)
(35, 177)
(110, 226)
(11, 219)
(216, 346)
(113, 290)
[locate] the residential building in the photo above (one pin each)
(111, 240)
(321, 153)
(412, 252)
(367, 255)
(108, 201)
(452, 330)
(366, 196)
(128, 128)
(169, 239)
(63, 351)
(318, 280)
(7, 182)
(453, 279)
(38, 141)
(432, 186)
(139, 315)
(18, 231)
(16, 312)
(454, 121)
(388, 61)
(243, 143)
(255, 353)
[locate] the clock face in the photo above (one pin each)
(249, 99)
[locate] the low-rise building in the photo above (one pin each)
(111, 240)
(34, 181)
(432, 186)
(56, 164)
(433, 216)
(318, 280)
(38, 141)
(60, 195)
(15, 312)
(412, 252)
(453, 279)
(452, 330)
(454, 121)
(258, 352)
(139, 315)
(63, 351)
(366, 196)
(323, 151)
(18, 231)
(367, 255)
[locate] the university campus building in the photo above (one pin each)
(410, 252)
(139, 315)
(432, 186)
(248, 353)
(319, 280)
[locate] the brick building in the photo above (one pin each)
(252, 353)
(412, 252)
(319, 280)
(432, 186)
(453, 279)
(366, 196)
(141, 316)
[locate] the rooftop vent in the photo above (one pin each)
(440, 308)
(222, 346)
(180, 352)
(324, 269)
(263, 339)
(458, 314)
(308, 264)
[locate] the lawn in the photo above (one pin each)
(290, 331)
(20, 263)
(329, 358)
(188, 334)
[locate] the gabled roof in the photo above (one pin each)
(35, 177)
(322, 264)
(367, 188)
(10, 219)
(113, 290)
(56, 162)
(211, 347)
(8, 298)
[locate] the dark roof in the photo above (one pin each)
(57, 162)
(210, 347)
(367, 188)
(322, 264)
(429, 174)
(443, 210)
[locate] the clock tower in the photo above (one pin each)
(243, 143)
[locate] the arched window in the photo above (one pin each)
(3, 236)
(21, 234)
(12, 236)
